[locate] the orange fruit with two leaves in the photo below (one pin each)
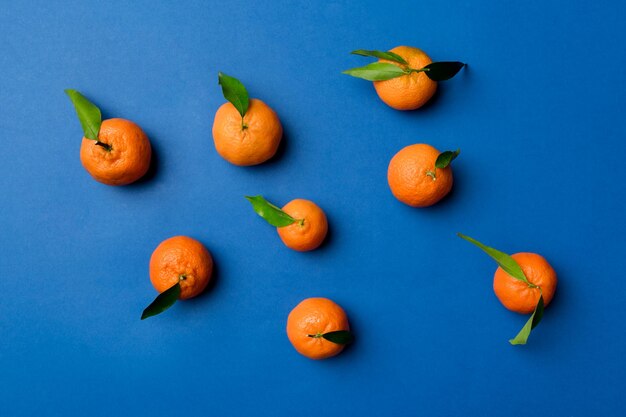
(180, 268)
(517, 295)
(301, 224)
(318, 328)
(245, 131)
(405, 78)
(419, 175)
(523, 282)
(114, 151)
(410, 91)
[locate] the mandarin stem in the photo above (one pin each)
(104, 145)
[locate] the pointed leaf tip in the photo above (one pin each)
(505, 261)
(162, 302)
(376, 71)
(339, 337)
(522, 337)
(388, 55)
(235, 92)
(444, 70)
(272, 214)
(445, 158)
(88, 114)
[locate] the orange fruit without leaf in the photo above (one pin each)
(181, 259)
(411, 91)
(516, 295)
(413, 178)
(313, 317)
(310, 228)
(249, 143)
(125, 156)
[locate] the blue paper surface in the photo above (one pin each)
(538, 115)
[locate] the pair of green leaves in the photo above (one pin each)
(339, 337)
(382, 71)
(272, 214)
(235, 92)
(88, 113)
(511, 267)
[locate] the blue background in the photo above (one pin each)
(538, 115)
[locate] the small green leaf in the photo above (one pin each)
(532, 322)
(441, 71)
(377, 71)
(163, 301)
(88, 114)
(390, 56)
(272, 214)
(508, 264)
(444, 158)
(235, 92)
(340, 337)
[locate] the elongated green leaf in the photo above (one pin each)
(272, 214)
(532, 322)
(441, 71)
(235, 92)
(377, 71)
(88, 114)
(340, 337)
(505, 261)
(390, 56)
(444, 158)
(163, 301)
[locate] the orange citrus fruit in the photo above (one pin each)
(411, 91)
(516, 295)
(251, 141)
(125, 157)
(314, 317)
(413, 178)
(181, 259)
(310, 228)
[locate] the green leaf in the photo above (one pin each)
(377, 71)
(163, 301)
(532, 322)
(441, 71)
(88, 114)
(390, 56)
(235, 92)
(272, 214)
(340, 337)
(444, 158)
(507, 263)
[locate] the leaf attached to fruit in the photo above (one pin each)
(532, 322)
(377, 71)
(442, 71)
(506, 262)
(235, 92)
(162, 302)
(389, 56)
(88, 113)
(272, 214)
(339, 337)
(445, 158)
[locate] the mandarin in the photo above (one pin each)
(250, 141)
(413, 178)
(184, 260)
(309, 229)
(120, 156)
(309, 320)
